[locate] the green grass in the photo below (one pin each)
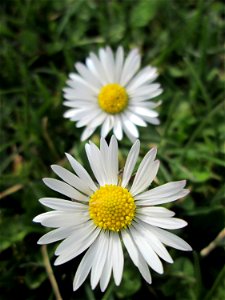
(40, 41)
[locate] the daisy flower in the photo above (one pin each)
(110, 91)
(109, 212)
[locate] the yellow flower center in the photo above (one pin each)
(112, 207)
(113, 98)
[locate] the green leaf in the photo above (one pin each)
(130, 284)
(12, 230)
(218, 288)
(35, 277)
(181, 271)
(182, 267)
(143, 12)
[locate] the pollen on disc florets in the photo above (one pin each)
(113, 98)
(112, 207)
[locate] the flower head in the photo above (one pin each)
(110, 211)
(110, 91)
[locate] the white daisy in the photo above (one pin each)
(110, 91)
(109, 212)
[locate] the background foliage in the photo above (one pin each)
(40, 42)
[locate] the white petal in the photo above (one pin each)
(68, 90)
(56, 235)
(145, 90)
(63, 205)
(106, 160)
(96, 163)
(107, 125)
(100, 258)
(131, 65)
(130, 163)
(56, 219)
(147, 252)
(145, 173)
(130, 246)
(119, 63)
(78, 115)
(77, 247)
(130, 128)
(100, 73)
(117, 258)
(106, 163)
(88, 118)
(72, 179)
(154, 242)
(81, 113)
(107, 270)
(104, 150)
(64, 189)
(135, 119)
(142, 111)
(156, 201)
(167, 223)
(148, 74)
(88, 131)
(79, 99)
(79, 80)
(117, 129)
(113, 160)
(81, 172)
(169, 188)
(107, 63)
(80, 233)
(160, 212)
(70, 113)
(165, 190)
(129, 133)
(77, 103)
(142, 99)
(148, 104)
(170, 239)
(98, 120)
(154, 121)
(136, 256)
(163, 194)
(87, 75)
(92, 68)
(78, 93)
(110, 64)
(85, 265)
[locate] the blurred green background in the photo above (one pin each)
(40, 42)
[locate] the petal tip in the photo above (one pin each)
(186, 247)
(41, 200)
(57, 262)
(36, 219)
(137, 142)
(189, 248)
(75, 286)
(68, 155)
(40, 242)
(45, 180)
(54, 167)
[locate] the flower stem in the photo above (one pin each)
(213, 244)
(50, 273)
